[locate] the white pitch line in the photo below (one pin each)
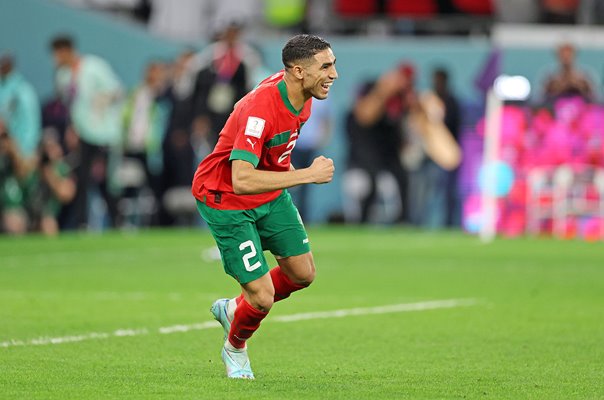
(191, 327)
(393, 308)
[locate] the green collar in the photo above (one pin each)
(288, 104)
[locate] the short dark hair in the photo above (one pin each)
(62, 42)
(7, 59)
(302, 47)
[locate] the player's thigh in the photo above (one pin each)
(281, 228)
(238, 241)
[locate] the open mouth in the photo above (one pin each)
(327, 85)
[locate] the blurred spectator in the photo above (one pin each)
(452, 120)
(181, 85)
(93, 93)
(429, 147)
(226, 73)
(145, 118)
(34, 189)
(178, 151)
(314, 135)
(568, 80)
(54, 186)
(178, 155)
(70, 143)
(433, 201)
(19, 107)
(374, 176)
(391, 127)
(14, 220)
(55, 114)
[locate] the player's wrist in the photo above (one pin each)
(306, 175)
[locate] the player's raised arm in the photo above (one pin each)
(249, 180)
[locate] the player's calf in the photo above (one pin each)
(283, 285)
(247, 320)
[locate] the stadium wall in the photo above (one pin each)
(26, 27)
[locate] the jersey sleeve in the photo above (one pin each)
(253, 127)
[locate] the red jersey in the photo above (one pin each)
(262, 129)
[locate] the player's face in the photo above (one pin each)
(320, 74)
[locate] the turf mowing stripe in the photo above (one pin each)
(393, 308)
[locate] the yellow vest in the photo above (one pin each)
(284, 13)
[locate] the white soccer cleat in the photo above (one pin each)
(237, 363)
(219, 311)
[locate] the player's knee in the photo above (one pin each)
(310, 275)
(305, 276)
(263, 300)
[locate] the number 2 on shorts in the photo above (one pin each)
(247, 256)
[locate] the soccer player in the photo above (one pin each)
(240, 192)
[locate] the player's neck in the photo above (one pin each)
(295, 93)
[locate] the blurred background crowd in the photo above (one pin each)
(107, 107)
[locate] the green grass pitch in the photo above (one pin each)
(536, 330)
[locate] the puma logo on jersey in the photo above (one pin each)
(251, 143)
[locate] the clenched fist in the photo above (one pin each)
(322, 170)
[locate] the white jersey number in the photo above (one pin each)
(289, 148)
(247, 256)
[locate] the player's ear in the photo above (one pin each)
(298, 71)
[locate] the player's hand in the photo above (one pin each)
(322, 169)
(391, 83)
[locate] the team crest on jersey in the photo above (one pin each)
(254, 127)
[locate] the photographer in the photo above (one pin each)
(14, 220)
(33, 189)
(56, 185)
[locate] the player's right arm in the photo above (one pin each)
(249, 180)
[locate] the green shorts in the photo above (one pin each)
(243, 235)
